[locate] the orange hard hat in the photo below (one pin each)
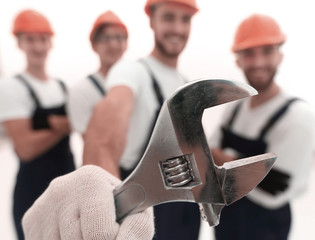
(106, 18)
(31, 21)
(190, 3)
(257, 30)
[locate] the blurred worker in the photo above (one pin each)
(32, 111)
(127, 115)
(272, 121)
(109, 41)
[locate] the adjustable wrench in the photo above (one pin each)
(177, 164)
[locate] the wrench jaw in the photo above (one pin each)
(237, 179)
(194, 97)
(241, 176)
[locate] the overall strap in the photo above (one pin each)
(63, 86)
(234, 114)
(29, 88)
(276, 116)
(97, 85)
(156, 87)
(160, 99)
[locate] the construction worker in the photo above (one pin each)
(32, 111)
(272, 121)
(126, 116)
(109, 41)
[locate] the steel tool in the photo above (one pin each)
(177, 164)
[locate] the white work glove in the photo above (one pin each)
(80, 205)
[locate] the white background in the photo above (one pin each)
(207, 55)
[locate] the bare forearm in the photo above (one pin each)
(30, 143)
(105, 143)
(105, 138)
(101, 157)
(36, 143)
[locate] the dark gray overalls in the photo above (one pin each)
(245, 220)
(34, 176)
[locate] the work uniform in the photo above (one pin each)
(82, 99)
(172, 220)
(283, 125)
(27, 97)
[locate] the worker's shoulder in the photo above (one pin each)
(301, 112)
(11, 85)
(128, 67)
(296, 104)
(81, 85)
(81, 91)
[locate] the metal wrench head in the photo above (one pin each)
(233, 180)
(177, 164)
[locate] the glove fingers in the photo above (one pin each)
(98, 215)
(97, 211)
(40, 221)
(80, 205)
(70, 228)
(137, 226)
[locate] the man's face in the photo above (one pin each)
(110, 44)
(259, 65)
(171, 25)
(36, 47)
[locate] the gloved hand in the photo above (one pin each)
(80, 205)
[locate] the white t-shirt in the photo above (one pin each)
(17, 103)
(292, 139)
(135, 76)
(82, 98)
